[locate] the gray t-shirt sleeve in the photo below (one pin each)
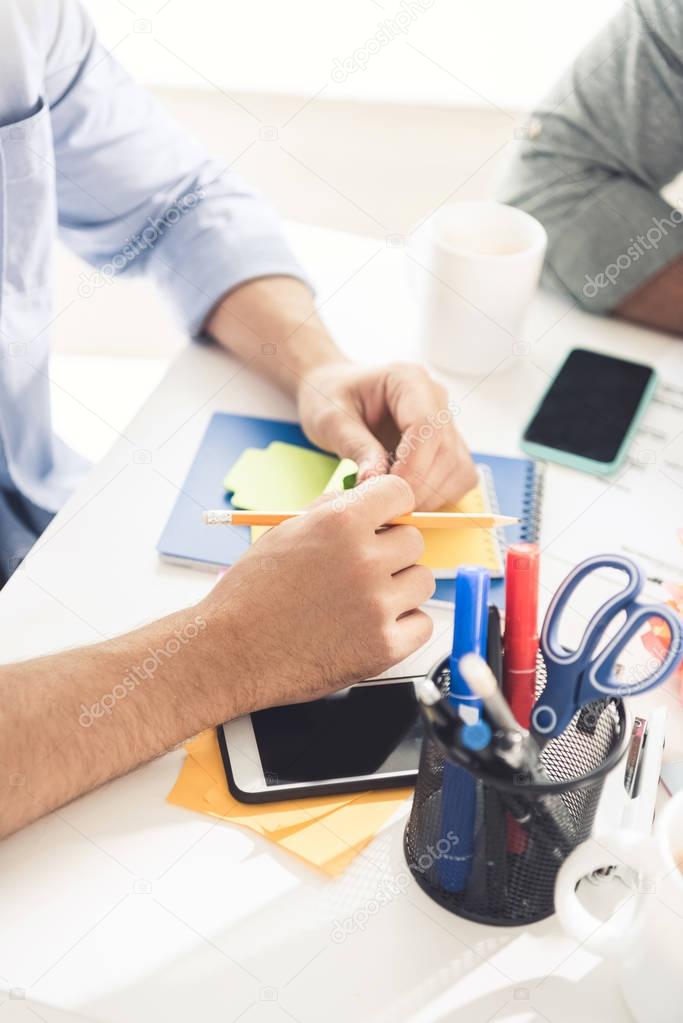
(597, 152)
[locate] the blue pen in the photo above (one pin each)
(458, 792)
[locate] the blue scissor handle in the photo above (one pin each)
(600, 680)
(574, 677)
(553, 652)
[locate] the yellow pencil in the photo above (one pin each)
(423, 520)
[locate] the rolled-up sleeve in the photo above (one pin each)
(597, 153)
(136, 194)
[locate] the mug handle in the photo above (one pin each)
(613, 937)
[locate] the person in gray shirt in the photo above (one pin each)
(596, 155)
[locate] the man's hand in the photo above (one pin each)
(320, 601)
(392, 419)
(317, 603)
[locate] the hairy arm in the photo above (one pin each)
(272, 324)
(73, 720)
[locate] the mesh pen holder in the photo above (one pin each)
(521, 831)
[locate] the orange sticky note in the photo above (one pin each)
(327, 832)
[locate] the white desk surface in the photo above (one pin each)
(122, 907)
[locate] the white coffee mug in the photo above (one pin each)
(476, 267)
(646, 934)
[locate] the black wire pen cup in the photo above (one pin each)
(499, 865)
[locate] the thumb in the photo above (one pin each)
(354, 440)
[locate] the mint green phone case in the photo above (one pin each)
(579, 461)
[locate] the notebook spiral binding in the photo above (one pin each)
(533, 503)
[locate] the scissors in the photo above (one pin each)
(577, 677)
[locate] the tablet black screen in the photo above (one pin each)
(363, 730)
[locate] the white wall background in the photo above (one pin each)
(423, 112)
(450, 52)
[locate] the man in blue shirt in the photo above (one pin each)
(87, 155)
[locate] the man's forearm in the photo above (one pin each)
(659, 302)
(272, 324)
(73, 720)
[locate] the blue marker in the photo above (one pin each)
(458, 792)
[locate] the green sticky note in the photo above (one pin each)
(246, 468)
(281, 477)
(344, 476)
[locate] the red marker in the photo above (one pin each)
(520, 648)
(521, 629)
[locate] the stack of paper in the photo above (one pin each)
(327, 832)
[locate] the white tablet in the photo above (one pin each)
(365, 737)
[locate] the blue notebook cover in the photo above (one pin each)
(518, 485)
(185, 537)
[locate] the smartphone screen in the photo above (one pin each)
(590, 405)
(360, 731)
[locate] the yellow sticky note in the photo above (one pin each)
(205, 750)
(449, 548)
(273, 817)
(326, 832)
(190, 791)
(352, 827)
(209, 777)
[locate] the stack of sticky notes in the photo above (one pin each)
(288, 477)
(327, 832)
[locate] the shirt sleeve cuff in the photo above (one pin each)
(618, 239)
(196, 284)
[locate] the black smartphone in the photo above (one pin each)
(589, 413)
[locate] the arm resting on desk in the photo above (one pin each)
(320, 601)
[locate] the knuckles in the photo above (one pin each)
(426, 581)
(413, 543)
(402, 489)
(385, 643)
(325, 418)
(425, 631)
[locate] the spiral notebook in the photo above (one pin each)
(284, 475)
(519, 489)
(511, 485)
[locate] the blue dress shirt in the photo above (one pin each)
(90, 157)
